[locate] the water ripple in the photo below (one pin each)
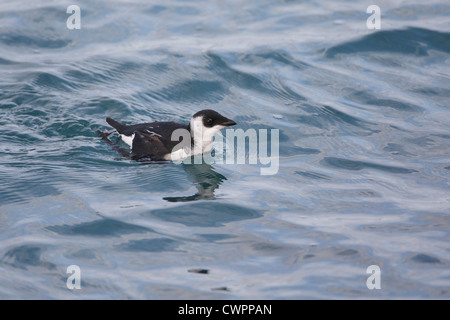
(412, 41)
(363, 120)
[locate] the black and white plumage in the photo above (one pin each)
(154, 139)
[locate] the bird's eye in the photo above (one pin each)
(209, 121)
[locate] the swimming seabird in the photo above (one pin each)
(154, 139)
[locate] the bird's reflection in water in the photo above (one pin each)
(206, 179)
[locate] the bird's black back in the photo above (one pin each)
(160, 130)
(163, 131)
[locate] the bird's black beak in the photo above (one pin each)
(228, 123)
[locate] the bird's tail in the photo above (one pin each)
(116, 125)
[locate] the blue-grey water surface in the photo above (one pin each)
(364, 164)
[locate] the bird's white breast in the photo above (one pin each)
(203, 136)
(179, 154)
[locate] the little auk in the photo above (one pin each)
(161, 140)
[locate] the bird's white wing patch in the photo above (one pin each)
(128, 139)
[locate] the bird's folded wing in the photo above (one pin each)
(148, 145)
